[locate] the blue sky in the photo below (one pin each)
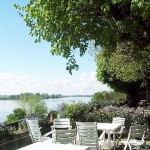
(29, 67)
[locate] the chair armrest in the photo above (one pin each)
(47, 134)
(122, 127)
(101, 139)
(121, 130)
(102, 136)
(52, 128)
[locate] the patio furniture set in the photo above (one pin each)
(85, 135)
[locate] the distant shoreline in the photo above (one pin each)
(43, 96)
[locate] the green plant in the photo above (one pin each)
(41, 109)
(103, 112)
(108, 96)
(52, 115)
(78, 111)
(31, 103)
(6, 130)
(17, 114)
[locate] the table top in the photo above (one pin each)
(108, 126)
(46, 145)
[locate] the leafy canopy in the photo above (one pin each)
(70, 24)
(125, 64)
(123, 73)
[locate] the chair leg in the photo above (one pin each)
(146, 147)
(125, 146)
(130, 146)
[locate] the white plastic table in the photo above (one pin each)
(109, 127)
(46, 145)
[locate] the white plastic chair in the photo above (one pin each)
(120, 121)
(60, 124)
(66, 136)
(135, 138)
(34, 131)
(146, 112)
(88, 135)
(119, 131)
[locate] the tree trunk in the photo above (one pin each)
(135, 95)
(148, 92)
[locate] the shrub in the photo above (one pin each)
(53, 114)
(61, 108)
(29, 102)
(17, 114)
(22, 124)
(6, 131)
(100, 112)
(41, 109)
(78, 111)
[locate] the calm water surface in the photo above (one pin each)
(7, 106)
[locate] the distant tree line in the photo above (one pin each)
(82, 95)
(43, 96)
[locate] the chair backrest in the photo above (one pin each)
(34, 130)
(118, 120)
(146, 112)
(137, 132)
(88, 134)
(61, 123)
(66, 136)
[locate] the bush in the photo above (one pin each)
(103, 113)
(29, 102)
(53, 114)
(17, 114)
(78, 111)
(6, 130)
(41, 109)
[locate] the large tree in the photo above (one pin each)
(71, 24)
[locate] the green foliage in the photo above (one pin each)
(124, 66)
(41, 109)
(6, 131)
(76, 111)
(32, 104)
(103, 113)
(69, 25)
(124, 73)
(53, 114)
(105, 96)
(128, 65)
(22, 124)
(98, 96)
(17, 114)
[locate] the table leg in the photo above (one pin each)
(114, 139)
(109, 144)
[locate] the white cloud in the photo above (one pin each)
(16, 84)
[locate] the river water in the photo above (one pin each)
(7, 106)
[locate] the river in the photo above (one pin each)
(7, 106)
